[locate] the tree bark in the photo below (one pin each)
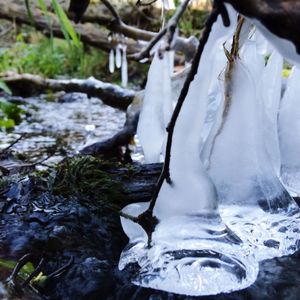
(89, 33)
(92, 34)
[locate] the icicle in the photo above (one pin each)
(190, 239)
(270, 87)
(157, 108)
(289, 133)
(286, 48)
(111, 61)
(168, 4)
(254, 203)
(118, 56)
(124, 67)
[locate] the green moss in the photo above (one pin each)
(89, 177)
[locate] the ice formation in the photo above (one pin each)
(226, 156)
(289, 133)
(192, 251)
(253, 201)
(124, 67)
(111, 61)
(168, 4)
(157, 107)
(118, 56)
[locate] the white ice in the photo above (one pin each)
(192, 251)
(111, 61)
(157, 108)
(124, 67)
(289, 133)
(285, 47)
(239, 163)
(118, 56)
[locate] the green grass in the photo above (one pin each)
(50, 58)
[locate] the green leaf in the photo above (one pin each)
(11, 112)
(10, 264)
(29, 12)
(4, 87)
(66, 26)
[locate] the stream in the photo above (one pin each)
(60, 226)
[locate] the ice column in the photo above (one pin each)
(289, 133)
(254, 203)
(157, 107)
(192, 251)
(271, 85)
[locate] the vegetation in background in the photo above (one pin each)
(10, 115)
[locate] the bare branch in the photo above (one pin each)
(169, 28)
(110, 94)
(112, 10)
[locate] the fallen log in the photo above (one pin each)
(89, 33)
(29, 85)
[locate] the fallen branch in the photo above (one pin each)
(112, 146)
(29, 85)
(89, 33)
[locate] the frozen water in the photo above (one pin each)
(271, 85)
(192, 252)
(124, 67)
(249, 189)
(286, 48)
(190, 255)
(157, 107)
(168, 4)
(289, 133)
(111, 63)
(118, 57)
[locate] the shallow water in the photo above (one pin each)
(71, 121)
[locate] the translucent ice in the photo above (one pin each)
(111, 62)
(289, 133)
(192, 252)
(286, 48)
(118, 57)
(168, 4)
(157, 108)
(250, 192)
(271, 85)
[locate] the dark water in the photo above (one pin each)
(60, 227)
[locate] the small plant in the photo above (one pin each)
(10, 115)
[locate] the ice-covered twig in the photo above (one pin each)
(231, 57)
(169, 28)
(147, 220)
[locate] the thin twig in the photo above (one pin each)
(13, 143)
(112, 10)
(140, 3)
(20, 264)
(34, 273)
(172, 25)
(169, 28)
(61, 270)
(231, 57)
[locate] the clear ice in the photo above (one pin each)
(289, 133)
(192, 251)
